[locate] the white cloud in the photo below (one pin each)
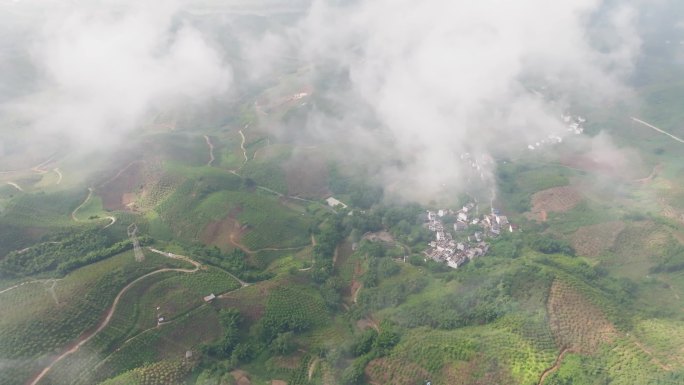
(101, 68)
(448, 77)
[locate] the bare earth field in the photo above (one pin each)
(118, 192)
(223, 234)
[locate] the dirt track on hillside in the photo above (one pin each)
(73, 213)
(242, 146)
(16, 186)
(555, 366)
(87, 337)
(211, 150)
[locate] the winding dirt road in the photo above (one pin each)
(16, 186)
(197, 264)
(73, 213)
(39, 168)
(112, 219)
(59, 175)
(312, 367)
(656, 170)
(211, 150)
(84, 339)
(242, 146)
(281, 195)
(36, 168)
(555, 366)
(249, 251)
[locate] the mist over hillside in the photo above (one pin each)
(412, 89)
(341, 192)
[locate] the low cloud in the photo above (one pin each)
(99, 70)
(439, 79)
(419, 90)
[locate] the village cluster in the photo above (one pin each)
(457, 253)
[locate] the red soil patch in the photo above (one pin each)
(138, 186)
(368, 323)
(355, 284)
(128, 199)
(249, 310)
(224, 234)
(593, 240)
(555, 199)
(251, 301)
(241, 377)
(119, 192)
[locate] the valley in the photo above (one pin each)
(342, 193)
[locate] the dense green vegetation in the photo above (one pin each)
(63, 252)
(43, 321)
(237, 262)
(291, 310)
(342, 296)
(672, 259)
(361, 192)
(358, 317)
(43, 209)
